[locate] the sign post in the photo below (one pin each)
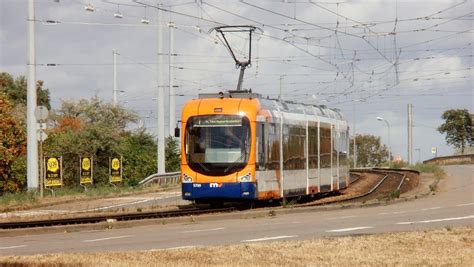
(53, 173)
(86, 171)
(41, 114)
(434, 151)
(115, 169)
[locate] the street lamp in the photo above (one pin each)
(388, 125)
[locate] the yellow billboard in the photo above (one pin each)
(115, 168)
(86, 170)
(53, 171)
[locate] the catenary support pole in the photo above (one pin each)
(161, 101)
(32, 144)
(114, 53)
(410, 134)
(354, 150)
(171, 86)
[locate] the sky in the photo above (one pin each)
(367, 58)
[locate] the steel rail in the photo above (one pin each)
(106, 218)
(401, 182)
(370, 191)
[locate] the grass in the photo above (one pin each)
(9, 199)
(395, 194)
(436, 170)
(446, 246)
(23, 200)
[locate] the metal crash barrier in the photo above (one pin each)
(164, 178)
(451, 160)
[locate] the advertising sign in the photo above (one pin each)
(115, 164)
(85, 170)
(53, 171)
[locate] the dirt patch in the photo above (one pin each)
(412, 181)
(366, 182)
(447, 246)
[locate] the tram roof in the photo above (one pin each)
(285, 105)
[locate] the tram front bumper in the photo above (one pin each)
(193, 191)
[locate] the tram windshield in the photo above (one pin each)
(217, 144)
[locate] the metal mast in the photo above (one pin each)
(410, 134)
(114, 53)
(32, 145)
(171, 86)
(160, 101)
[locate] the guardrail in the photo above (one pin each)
(164, 178)
(451, 160)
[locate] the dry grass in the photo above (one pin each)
(448, 246)
(25, 201)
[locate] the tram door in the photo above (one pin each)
(334, 158)
(325, 156)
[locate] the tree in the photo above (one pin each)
(172, 155)
(13, 93)
(370, 151)
(139, 156)
(458, 128)
(89, 127)
(16, 90)
(12, 149)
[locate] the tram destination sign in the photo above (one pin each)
(86, 172)
(53, 171)
(115, 168)
(219, 121)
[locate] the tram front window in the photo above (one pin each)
(217, 144)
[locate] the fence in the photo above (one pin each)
(452, 160)
(165, 178)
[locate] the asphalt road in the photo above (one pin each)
(452, 205)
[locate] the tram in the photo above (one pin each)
(239, 146)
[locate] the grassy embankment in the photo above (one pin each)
(25, 200)
(447, 246)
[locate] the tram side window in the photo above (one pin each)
(343, 160)
(273, 147)
(294, 137)
(325, 147)
(261, 145)
(313, 146)
(335, 146)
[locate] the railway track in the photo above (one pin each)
(108, 218)
(391, 181)
(388, 186)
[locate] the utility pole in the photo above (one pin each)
(410, 134)
(389, 147)
(161, 101)
(114, 53)
(281, 86)
(32, 144)
(354, 134)
(170, 72)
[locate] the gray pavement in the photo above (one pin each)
(452, 205)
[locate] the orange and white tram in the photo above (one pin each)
(241, 146)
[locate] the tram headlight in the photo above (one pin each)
(187, 178)
(245, 178)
